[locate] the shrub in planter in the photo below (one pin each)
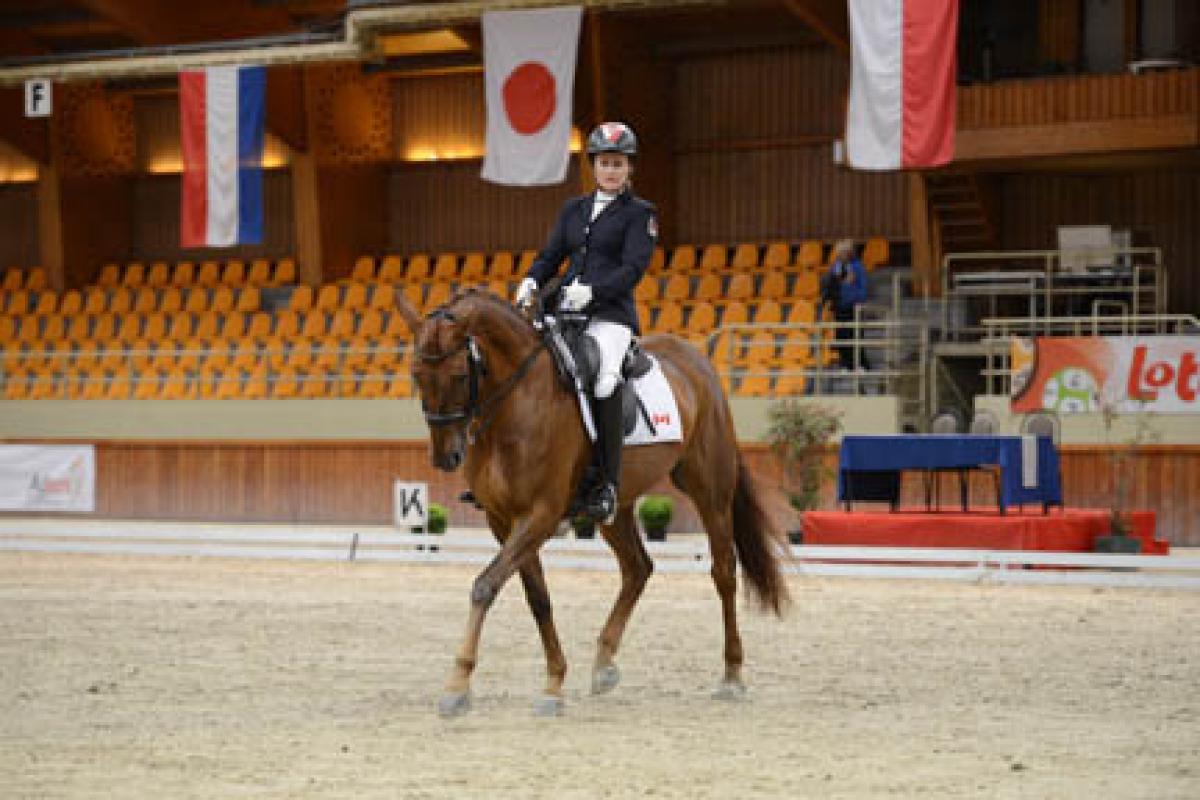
(584, 528)
(798, 434)
(438, 518)
(655, 513)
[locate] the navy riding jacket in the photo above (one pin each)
(609, 253)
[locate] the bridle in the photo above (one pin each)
(475, 409)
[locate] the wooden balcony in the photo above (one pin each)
(1078, 115)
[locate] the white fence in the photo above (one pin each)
(686, 554)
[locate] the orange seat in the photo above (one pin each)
(446, 268)
(369, 324)
(678, 288)
(355, 297)
(735, 313)
(208, 326)
(197, 300)
(54, 327)
(774, 286)
(159, 275)
(683, 259)
(95, 301)
(745, 258)
(473, 268)
(16, 304)
(701, 321)
(418, 268)
(647, 290)
(234, 274)
(287, 324)
(714, 258)
(767, 312)
(502, 267)
(171, 301)
(8, 328)
(316, 324)
(809, 256)
(658, 261)
(669, 319)
(709, 288)
(184, 275)
(342, 323)
(741, 287)
(526, 261)
(778, 255)
(145, 301)
(391, 269)
(414, 293)
(364, 269)
(259, 327)
(129, 328)
(301, 299)
(328, 297)
(233, 325)
(802, 312)
(808, 285)
(260, 272)
(383, 296)
(135, 275)
(249, 299)
(121, 301)
(104, 326)
(875, 252)
(72, 303)
(110, 276)
(285, 272)
(155, 326)
(35, 281)
(180, 326)
(209, 274)
(222, 300)
(439, 294)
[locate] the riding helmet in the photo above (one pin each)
(612, 137)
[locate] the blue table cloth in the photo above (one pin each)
(957, 451)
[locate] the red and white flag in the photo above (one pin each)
(902, 90)
(529, 70)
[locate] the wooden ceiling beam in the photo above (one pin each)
(827, 17)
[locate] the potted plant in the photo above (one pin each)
(1120, 526)
(436, 522)
(798, 432)
(655, 512)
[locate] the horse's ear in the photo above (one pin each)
(411, 318)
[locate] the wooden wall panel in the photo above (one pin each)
(755, 157)
(442, 115)
(156, 220)
(1079, 98)
(350, 482)
(444, 206)
(1161, 207)
(19, 225)
(784, 194)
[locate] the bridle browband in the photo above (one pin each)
(474, 410)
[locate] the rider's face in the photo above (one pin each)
(612, 171)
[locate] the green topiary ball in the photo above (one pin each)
(438, 518)
(656, 511)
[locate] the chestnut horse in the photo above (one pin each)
(495, 406)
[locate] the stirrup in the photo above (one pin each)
(601, 504)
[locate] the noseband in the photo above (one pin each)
(474, 409)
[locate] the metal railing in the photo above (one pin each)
(1136, 283)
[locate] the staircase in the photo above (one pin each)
(962, 208)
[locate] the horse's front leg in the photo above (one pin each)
(538, 597)
(527, 536)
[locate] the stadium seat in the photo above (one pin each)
(35, 281)
(141, 355)
(677, 288)
(256, 387)
(145, 300)
(109, 277)
(111, 353)
(647, 289)
(104, 326)
(501, 289)
(418, 268)
(16, 303)
(95, 301)
(364, 269)
(134, 275)
(54, 327)
(445, 268)
(179, 385)
(773, 286)
(383, 296)
(439, 294)
(233, 325)
(285, 384)
(715, 258)
(197, 300)
(502, 267)
(287, 324)
(148, 385)
(683, 259)
(875, 252)
(209, 274)
(735, 313)
(658, 261)
(234, 274)
(129, 327)
(741, 287)
(328, 297)
(208, 326)
(180, 326)
(473, 268)
(28, 328)
(259, 327)
(527, 258)
(767, 312)
(701, 321)
(260, 273)
(342, 323)
(355, 297)
(78, 327)
(745, 258)
(17, 384)
(414, 293)
(8, 328)
(802, 312)
(778, 255)
(807, 285)
(249, 299)
(316, 324)
(121, 301)
(155, 326)
(669, 318)
(159, 276)
(809, 256)
(285, 272)
(72, 303)
(301, 299)
(222, 300)
(184, 275)
(171, 300)
(391, 270)
(400, 384)
(369, 324)
(395, 327)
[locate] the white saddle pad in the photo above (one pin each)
(660, 404)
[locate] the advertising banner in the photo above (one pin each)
(47, 478)
(1074, 375)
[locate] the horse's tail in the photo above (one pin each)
(759, 543)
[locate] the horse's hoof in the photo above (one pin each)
(548, 705)
(733, 691)
(605, 679)
(454, 705)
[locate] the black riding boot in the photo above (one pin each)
(602, 504)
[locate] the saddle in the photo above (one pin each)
(576, 359)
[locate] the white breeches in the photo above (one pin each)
(613, 338)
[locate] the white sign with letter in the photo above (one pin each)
(47, 478)
(411, 504)
(39, 99)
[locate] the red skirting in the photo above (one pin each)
(1070, 530)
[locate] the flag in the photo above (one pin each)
(221, 111)
(529, 72)
(902, 90)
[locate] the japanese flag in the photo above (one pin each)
(529, 70)
(902, 93)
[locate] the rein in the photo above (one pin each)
(476, 412)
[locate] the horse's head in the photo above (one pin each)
(449, 368)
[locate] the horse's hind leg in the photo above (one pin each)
(623, 538)
(538, 597)
(716, 512)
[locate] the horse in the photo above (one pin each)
(495, 406)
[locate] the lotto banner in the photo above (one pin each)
(47, 478)
(1073, 375)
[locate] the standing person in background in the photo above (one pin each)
(845, 288)
(609, 238)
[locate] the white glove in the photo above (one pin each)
(576, 296)
(525, 292)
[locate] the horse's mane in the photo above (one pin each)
(500, 305)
